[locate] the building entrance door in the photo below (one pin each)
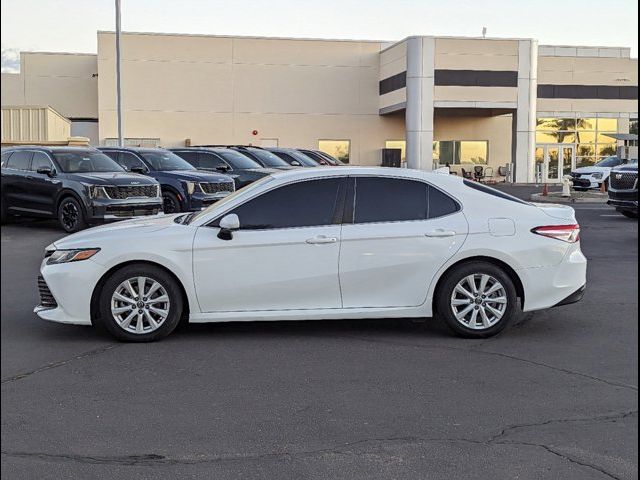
(554, 162)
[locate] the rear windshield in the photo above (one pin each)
(492, 191)
(166, 161)
(268, 158)
(85, 162)
(301, 157)
(237, 160)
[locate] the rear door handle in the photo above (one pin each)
(322, 239)
(440, 233)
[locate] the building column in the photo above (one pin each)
(419, 110)
(525, 115)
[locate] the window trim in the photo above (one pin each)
(338, 209)
(350, 203)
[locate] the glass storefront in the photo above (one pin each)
(458, 152)
(587, 135)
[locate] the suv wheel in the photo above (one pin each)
(140, 303)
(70, 215)
(476, 300)
(170, 202)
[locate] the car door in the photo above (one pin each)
(283, 257)
(15, 185)
(44, 188)
(400, 233)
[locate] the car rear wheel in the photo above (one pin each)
(629, 214)
(476, 300)
(140, 303)
(70, 215)
(170, 202)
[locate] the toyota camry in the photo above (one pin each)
(330, 243)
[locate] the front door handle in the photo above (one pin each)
(322, 239)
(440, 233)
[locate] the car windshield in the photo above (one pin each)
(269, 159)
(192, 217)
(165, 161)
(86, 162)
(237, 160)
(608, 162)
(301, 157)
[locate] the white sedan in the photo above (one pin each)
(594, 176)
(331, 243)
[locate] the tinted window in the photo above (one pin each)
(166, 161)
(389, 200)
(210, 161)
(5, 157)
(111, 154)
(441, 204)
(129, 160)
(20, 160)
(492, 191)
(609, 162)
(85, 162)
(238, 160)
(40, 160)
(267, 158)
(302, 204)
(191, 157)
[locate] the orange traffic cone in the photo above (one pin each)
(603, 187)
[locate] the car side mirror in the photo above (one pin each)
(48, 171)
(228, 224)
(296, 163)
(222, 168)
(138, 170)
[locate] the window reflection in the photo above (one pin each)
(455, 152)
(336, 148)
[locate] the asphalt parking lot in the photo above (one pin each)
(555, 396)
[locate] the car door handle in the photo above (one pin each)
(322, 239)
(440, 233)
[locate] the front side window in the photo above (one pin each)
(85, 162)
(129, 160)
(380, 200)
(20, 160)
(339, 149)
(189, 157)
(267, 158)
(302, 204)
(237, 160)
(210, 161)
(166, 161)
(40, 160)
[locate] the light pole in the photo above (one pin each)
(118, 84)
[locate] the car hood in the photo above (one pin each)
(111, 178)
(115, 232)
(590, 170)
(197, 176)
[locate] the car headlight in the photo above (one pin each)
(97, 191)
(191, 187)
(66, 256)
(597, 175)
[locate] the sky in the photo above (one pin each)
(71, 25)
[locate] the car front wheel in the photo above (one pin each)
(70, 215)
(140, 303)
(476, 300)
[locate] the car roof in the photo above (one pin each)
(49, 148)
(346, 170)
(134, 149)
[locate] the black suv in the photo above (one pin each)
(224, 160)
(321, 157)
(76, 185)
(294, 157)
(623, 189)
(262, 156)
(184, 188)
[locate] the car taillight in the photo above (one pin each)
(566, 233)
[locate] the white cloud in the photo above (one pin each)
(10, 60)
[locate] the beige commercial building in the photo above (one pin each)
(464, 102)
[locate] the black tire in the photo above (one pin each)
(629, 214)
(175, 309)
(170, 202)
(71, 215)
(443, 301)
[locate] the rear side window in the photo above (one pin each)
(40, 160)
(20, 160)
(209, 160)
(302, 204)
(399, 200)
(5, 157)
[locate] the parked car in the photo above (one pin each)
(594, 176)
(623, 189)
(78, 186)
(321, 157)
(184, 188)
(262, 156)
(241, 168)
(294, 157)
(409, 244)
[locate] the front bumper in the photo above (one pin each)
(623, 199)
(105, 210)
(200, 201)
(586, 182)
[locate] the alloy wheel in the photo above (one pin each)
(140, 305)
(70, 215)
(479, 301)
(169, 204)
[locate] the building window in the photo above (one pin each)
(633, 126)
(336, 148)
(589, 135)
(456, 152)
(133, 142)
(401, 144)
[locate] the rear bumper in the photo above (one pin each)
(573, 298)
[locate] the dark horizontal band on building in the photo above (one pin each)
(476, 78)
(605, 92)
(392, 83)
